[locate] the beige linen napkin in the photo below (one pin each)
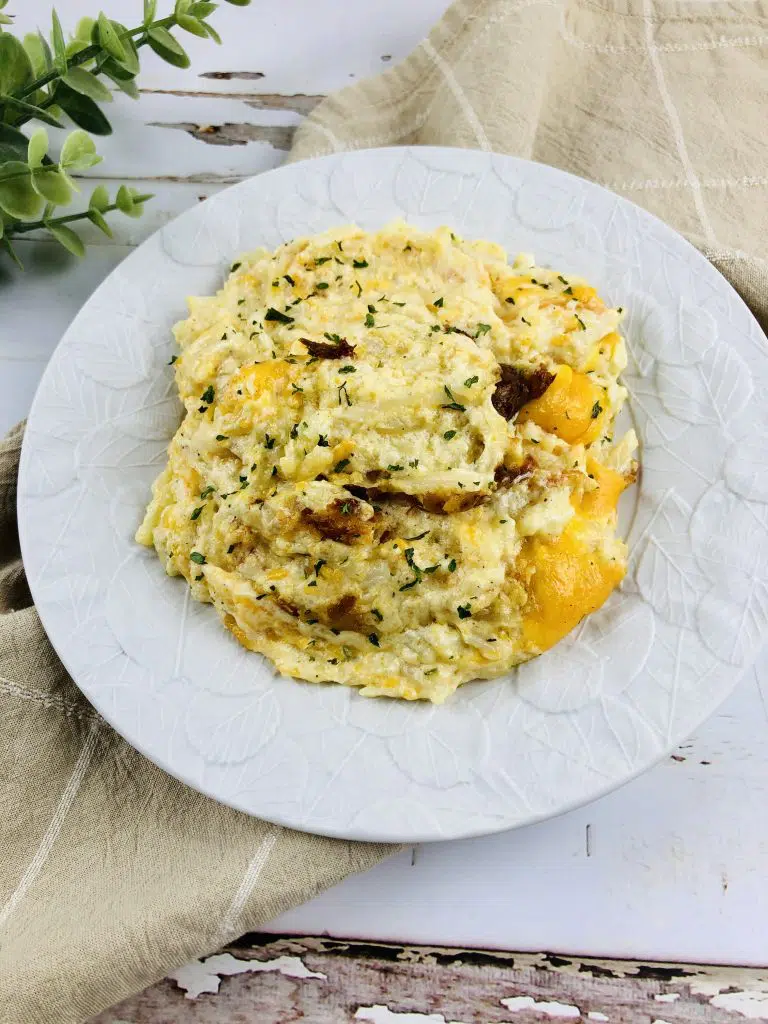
(111, 873)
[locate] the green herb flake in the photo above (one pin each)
(321, 286)
(596, 410)
(348, 369)
(453, 403)
(269, 442)
(470, 381)
(197, 558)
(394, 469)
(289, 279)
(222, 437)
(452, 565)
(319, 565)
(526, 322)
(312, 583)
(449, 435)
(377, 614)
(482, 329)
(321, 260)
(510, 300)
(274, 471)
(295, 387)
(430, 671)
(371, 309)
(240, 302)
(341, 465)
(360, 263)
(438, 302)
(322, 441)
(398, 303)
(207, 395)
(419, 536)
(234, 267)
(196, 514)
(464, 611)
(413, 463)
(277, 317)
(208, 491)
(359, 289)
(407, 586)
(172, 360)
(369, 321)
(294, 431)
(581, 323)
(345, 508)
(373, 638)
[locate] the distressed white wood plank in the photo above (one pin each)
(329, 982)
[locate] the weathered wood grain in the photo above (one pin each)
(326, 981)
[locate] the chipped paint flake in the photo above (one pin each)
(518, 1003)
(667, 997)
(379, 1014)
(596, 1015)
(205, 976)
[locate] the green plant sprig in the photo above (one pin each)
(46, 81)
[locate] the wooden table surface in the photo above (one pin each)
(672, 867)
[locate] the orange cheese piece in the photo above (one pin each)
(569, 580)
(602, 501)
(568, 407)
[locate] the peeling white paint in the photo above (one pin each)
(205, 976)
(667, 997)
(659, 1021)
(596, 1015)
(378, 1014)
(517, 1003)
(748, 1004)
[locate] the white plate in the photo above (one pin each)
(626, 686)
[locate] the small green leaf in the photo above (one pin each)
(13, 144)
(84, 82)
(17, 196)
(190, 24)
(5, 244)
(116, 71)
(78, 152)
(68, 238)
(29, 110)
(181, 7)
(239, 3)
(59, 45)
(201, 9)
(129, 87)
(150, 9)
(38, 53)
(166, 47)
(124, 199)
(131, 60)
(109, 39)
(99, 199)
(96, 218)
(82, 110)
(84, 30)
(15, 65)
(212, 32)
(52, 185)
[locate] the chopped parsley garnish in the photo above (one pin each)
(342, 390)
(345, 508)
(340, 247)
(377, 614)
(322, 259)
(359, 289)
(394, 469)
(526, 322)
(341, 465)
(453, 403)
(374, 639)
(197, 558)
(335, 338)
(398, 303)
(359, 263)
(482, 329)
(274, 471)
(319, 565)
(322, 441)
(470, 381)
(240, 302)
(312, 583)
(369, 321)
(438, 302)
(198, 577)
(321, 286)
(208, 491)
(196, 514)
(269, 442)
(296, 387)
(464, 611)
(207, 395)
(276, 283)
(407, 586)
(419, 536)
(371, 309)
(234, 267)
(510, 300)
(348, 369)
(430, 671)
(294, 431)
(596, 410)
(230, 549)
(288, 278)
(452, 565)
(413, 463)
(277, 316)
(172, 360)
(222, 437)
(581, 323)
(449, 435)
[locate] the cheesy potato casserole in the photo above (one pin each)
(397, 468)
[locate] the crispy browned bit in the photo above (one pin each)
(329, 350)
(505, 476)
(518, 387)
(343, 614)
(340, 521)
(291, 609)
